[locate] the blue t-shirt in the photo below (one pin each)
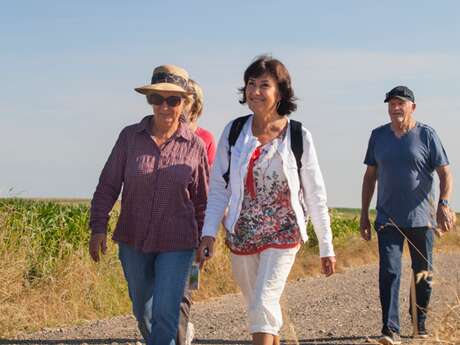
(405, 169)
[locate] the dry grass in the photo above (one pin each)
(446, 324)
(74, 289)
(41, 287)
(215, 277)
(447, 329)
(78, 290)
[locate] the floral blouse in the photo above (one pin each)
(267, 219)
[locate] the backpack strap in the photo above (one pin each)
(235, 130)
(297, 143)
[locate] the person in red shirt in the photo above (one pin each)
(194, 112)
(194, 109)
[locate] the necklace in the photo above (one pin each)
(270, 131)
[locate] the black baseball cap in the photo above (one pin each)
(402, 92)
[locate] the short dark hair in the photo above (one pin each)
(275, 68)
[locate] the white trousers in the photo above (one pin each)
(262, 278)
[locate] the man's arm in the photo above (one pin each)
(369, 180)
(443, 215)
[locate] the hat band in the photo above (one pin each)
(164, 77)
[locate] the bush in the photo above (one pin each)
(342, 225)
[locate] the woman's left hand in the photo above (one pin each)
(328, 265)
(206, 250)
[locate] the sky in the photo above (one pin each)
(68, 71)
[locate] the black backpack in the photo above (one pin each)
(296, 142)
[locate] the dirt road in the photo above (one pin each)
(342, 309)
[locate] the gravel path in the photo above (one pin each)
(342, 309)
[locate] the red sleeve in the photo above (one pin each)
(210, 143)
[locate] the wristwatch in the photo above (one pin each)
(443, 202)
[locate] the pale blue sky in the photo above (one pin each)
(68, 69)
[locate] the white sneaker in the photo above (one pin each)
(189, 334)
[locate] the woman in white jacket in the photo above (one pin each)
(265, 203)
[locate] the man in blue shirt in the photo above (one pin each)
(402, 157)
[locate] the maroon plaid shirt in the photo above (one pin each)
(164, 189)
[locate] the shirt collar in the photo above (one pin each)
(183, 130)
(144, 124)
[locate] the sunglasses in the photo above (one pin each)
(156, 99)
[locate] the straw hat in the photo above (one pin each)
(167, 78)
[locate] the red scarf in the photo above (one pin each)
(250, 184)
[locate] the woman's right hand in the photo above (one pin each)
(206, 250)
(97, 242)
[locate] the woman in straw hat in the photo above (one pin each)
(265, 190)
(162, 170)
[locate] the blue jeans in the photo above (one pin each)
(156, 284)
(391, 243)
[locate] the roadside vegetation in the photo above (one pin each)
(49, 280)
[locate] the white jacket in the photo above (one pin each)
(221, 199)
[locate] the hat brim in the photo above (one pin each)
(400, 97)
(165, 87)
